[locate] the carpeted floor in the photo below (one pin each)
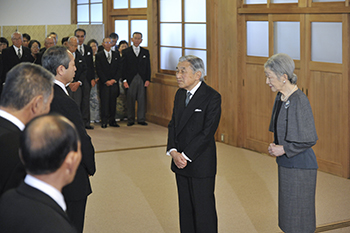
(134, 190)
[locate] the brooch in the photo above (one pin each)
(287, 104)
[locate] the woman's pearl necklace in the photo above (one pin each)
(284, 99)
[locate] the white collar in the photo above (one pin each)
(61, 85)
(14, 120)
(106, 52)
(47, 189)
(195, 89)
(16, 49)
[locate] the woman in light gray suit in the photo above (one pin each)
(294, 131)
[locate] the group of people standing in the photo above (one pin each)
(191, 131)
(105, 70)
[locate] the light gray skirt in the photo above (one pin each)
(296, 200)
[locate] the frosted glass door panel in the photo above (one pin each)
(96, 13)
(83, 13)
(121, 27)
(197, 15)
(258, 38)
(138, 3)
(95, 1)
(196, 36)
(169, 58)
(287, 38)
(198, 53)
(170, 11)
(326, 42)
(255, 1)
(120, 4)
(170, 34)
(328, 0)
(140, 26)
(82, 1)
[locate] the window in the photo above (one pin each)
(89, 12)
(183, 31)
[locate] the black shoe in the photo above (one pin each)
(131, 123)
(114, 124)
(142, 123)
(89, 127)
(104, 126)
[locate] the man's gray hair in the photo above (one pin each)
(282, 64)
(196, 64)
(13, 34)
(54, 57)
(24, 82)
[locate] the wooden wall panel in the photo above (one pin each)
(327, 104)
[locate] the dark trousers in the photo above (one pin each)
(108, 97)
(85, 102)
(197, 204)
(136, 92)
(76, 213)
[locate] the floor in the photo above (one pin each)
(134, 190)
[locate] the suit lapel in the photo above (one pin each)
(195, 101)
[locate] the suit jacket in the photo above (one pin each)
(133, 65)
(90, 69)
(11, 169)
(10, 59)
(27, 209)
(192, 130)
(80, 64)
(80, 188)
(106, 71)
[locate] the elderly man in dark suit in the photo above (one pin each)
(15, 54)
(108, 70)
(27, 93)
(59, 61)
(50, 151)
(136, 70)
(191, 144)
(86, 52)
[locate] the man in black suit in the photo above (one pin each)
(108, 70)
(27, 93)
(60, 61)
(136, 70)
(3, 45)
(15, 54)
(191, 144)
(75, 88)
(50, 151)
(86, 52)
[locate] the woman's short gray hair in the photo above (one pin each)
(281, 64)
(196, 64)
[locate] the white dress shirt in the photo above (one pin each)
(12, 119)
(47, 189)
(136, 50)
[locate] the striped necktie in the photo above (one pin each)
(188, 97)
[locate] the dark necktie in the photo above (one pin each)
(188, 97)
(19, 54)
(109, 58)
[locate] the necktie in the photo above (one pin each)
(137, 51)
(19, 54)
(188, 97)
(81, 50)
(109, 58)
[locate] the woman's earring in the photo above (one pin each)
(284, 81)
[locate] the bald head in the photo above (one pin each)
(45, 143)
